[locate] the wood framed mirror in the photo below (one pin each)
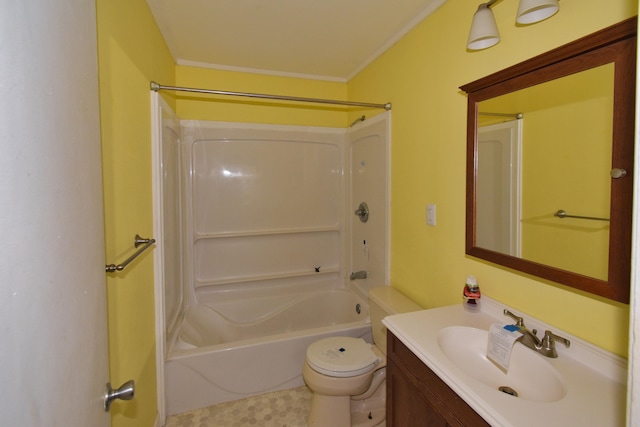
(570, 116)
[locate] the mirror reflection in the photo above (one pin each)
(544, 149)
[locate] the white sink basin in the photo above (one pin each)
(584, 386)
(529, 374)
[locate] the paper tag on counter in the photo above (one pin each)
(500, 344)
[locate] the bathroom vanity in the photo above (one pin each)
(438, 375)
(418, 397)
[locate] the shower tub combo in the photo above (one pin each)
(256, 258)
(218, 358)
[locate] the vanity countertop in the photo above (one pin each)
(595, 380)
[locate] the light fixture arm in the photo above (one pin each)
(489, 3)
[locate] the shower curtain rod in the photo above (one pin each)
(516, 115)
(156, 87)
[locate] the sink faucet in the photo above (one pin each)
(358, 275)
(545, 346)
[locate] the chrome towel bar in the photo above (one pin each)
(563, 214)
(112, 268)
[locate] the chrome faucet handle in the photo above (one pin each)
(549, 340)
(519, 320)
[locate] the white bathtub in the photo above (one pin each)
(217, 358)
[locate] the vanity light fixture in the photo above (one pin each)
(484, 31)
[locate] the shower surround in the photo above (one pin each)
(257, 256)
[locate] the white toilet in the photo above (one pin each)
(347, 375)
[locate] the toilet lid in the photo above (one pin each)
(341, 356)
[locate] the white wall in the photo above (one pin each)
(53, 362)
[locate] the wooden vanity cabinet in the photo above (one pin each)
(418, 397)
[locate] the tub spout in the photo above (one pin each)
(358, 275)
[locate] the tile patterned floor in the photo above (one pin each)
(288, 408)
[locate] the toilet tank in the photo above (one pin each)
(385, 301)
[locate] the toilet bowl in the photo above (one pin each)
(347, 375)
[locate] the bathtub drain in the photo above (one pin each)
(358, 308)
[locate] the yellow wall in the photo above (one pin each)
(421, 75)
(131, 53)
(235, 109)
(575, 177)
(571, 119)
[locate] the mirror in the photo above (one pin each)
(544, 140)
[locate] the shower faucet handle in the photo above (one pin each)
(363, 212)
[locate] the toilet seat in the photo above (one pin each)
(341, 357)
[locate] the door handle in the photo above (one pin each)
(124, 392)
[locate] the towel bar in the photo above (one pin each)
(563, 214)
(112, 268)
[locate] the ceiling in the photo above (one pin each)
(324, 39)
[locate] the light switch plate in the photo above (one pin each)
(431, 214)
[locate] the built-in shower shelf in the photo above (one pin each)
(251, 233)
(250, 257)
(245, 279)
(265, 207)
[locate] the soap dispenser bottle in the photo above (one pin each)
(471, 295)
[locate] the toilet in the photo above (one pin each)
(347, 375)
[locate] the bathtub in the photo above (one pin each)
(217, 358)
